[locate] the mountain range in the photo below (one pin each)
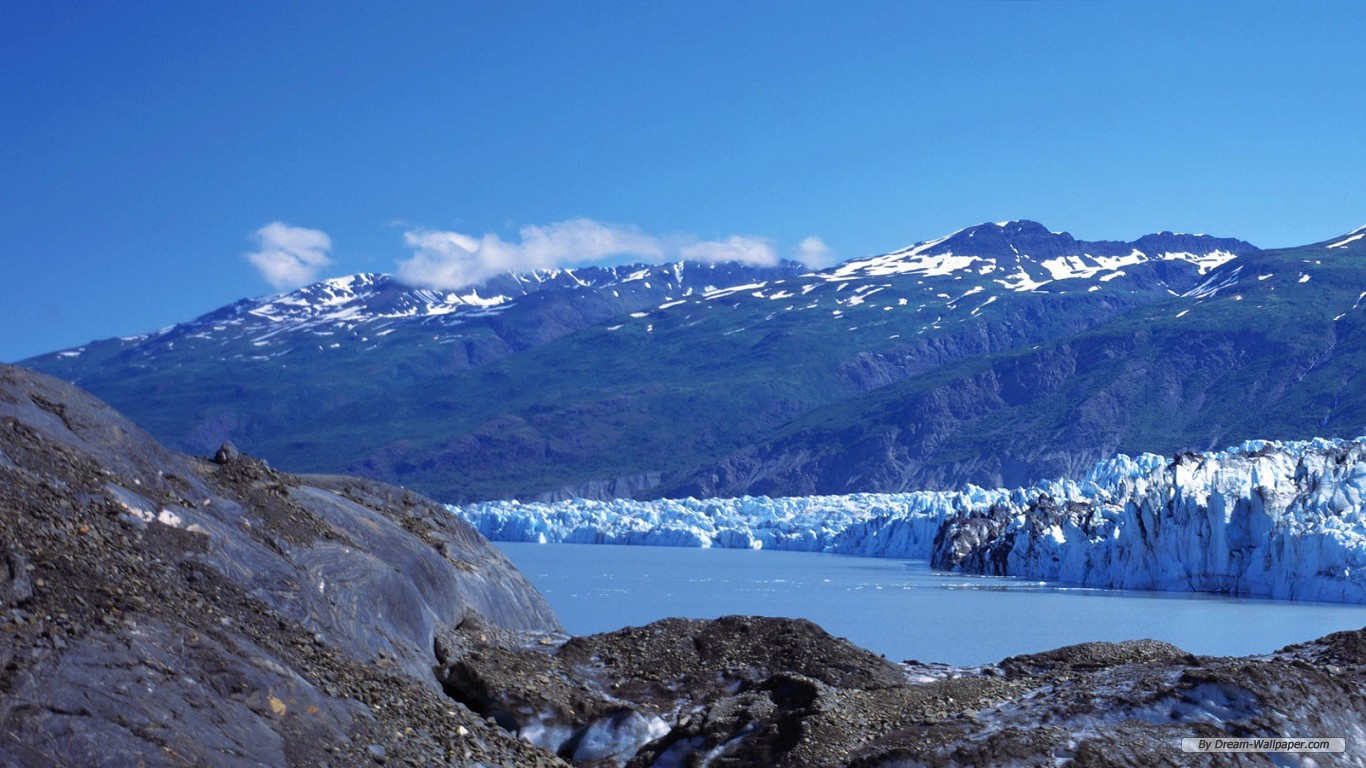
(1001, 354)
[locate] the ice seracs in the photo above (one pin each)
(1269, 519)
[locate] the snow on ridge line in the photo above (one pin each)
(919, 260)
(1266, 518)
(1355, 236)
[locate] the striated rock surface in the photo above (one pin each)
(157, 609)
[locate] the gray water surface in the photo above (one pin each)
(900, 608)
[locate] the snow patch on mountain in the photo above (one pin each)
(1270, 519)
(929, 265)
(1216, 282)
(1086, 265)
(354, 297)
(1033, 256)
(1204, 262)
(1349, 240)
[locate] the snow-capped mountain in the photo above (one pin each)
(952, 279)
(967, 270)
(513, 311)
(1267, 343)
(998, 355)
(1270, 519)
(1025, 255)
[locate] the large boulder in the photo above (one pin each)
(159, 609)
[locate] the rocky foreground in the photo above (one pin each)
(158, 609)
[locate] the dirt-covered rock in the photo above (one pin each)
(157, 609)
(746, 691)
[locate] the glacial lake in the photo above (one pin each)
(901, 608)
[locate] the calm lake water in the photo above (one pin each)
(901, 608)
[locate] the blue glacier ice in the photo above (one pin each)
(1266, 518)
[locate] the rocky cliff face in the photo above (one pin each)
(164, 610)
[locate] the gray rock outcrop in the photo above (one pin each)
(157, 609)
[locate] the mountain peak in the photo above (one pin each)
(1023, 255)
(993, 235)
(1014, 226)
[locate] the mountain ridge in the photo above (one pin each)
(567, 391)
(341, 304)
(1043, 255)
(1263, 333)
(379, 301)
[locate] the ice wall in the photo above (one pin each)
(1273, 519)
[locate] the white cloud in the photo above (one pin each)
(290, 257)
(743, 248)
(813, 252)
(450, 260)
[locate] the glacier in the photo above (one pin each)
(1277, 519)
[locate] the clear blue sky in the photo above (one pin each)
(143, 143)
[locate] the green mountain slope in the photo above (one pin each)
(1274, 346)
(905, 369)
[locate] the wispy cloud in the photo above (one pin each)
(290, 257)
(454, 260)
(813, 252)
(450, 260)
(742, 248)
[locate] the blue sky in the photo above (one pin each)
(144, 146)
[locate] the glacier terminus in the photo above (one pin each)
(1265, 518)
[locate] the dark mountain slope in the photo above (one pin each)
(1272, 345)
(619, 408)
(250, 371)
(611, 382)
